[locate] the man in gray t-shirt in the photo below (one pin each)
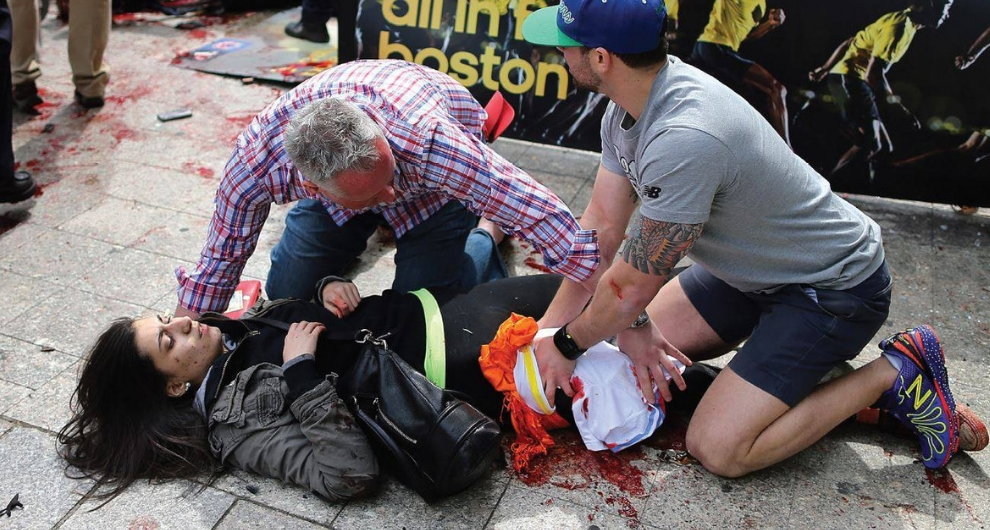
(780, 261)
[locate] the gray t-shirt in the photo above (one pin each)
(702, 154)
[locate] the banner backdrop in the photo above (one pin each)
(934, 125)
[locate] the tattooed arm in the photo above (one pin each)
(613, 201)
(626, 288)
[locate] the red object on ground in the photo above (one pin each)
(244, 297)
(500, 116)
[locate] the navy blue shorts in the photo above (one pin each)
(721, 62)
(795, 335)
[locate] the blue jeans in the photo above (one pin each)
(442, 251)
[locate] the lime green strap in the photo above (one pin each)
(435, 363)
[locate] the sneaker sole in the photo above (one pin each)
(972, 431)
(940, 379)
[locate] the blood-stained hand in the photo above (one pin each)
(649, 351)
(341, 298)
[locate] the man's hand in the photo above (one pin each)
(341, 298)
(555, 369)
(648, 350)
(775, 17)
(300, 339)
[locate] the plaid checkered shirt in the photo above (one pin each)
(434, 127)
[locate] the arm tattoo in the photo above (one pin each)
(655, 247)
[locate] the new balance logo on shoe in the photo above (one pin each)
(915, 388)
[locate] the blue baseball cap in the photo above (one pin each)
(620, 26)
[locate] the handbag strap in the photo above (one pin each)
(337, 334)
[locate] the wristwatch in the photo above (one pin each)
(565, 344)
(642, 320)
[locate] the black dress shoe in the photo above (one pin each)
(94, 102)
(310, 33)
(26, 96)
(19, 188)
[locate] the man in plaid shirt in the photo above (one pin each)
(363, 143)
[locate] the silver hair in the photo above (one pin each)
(329, 136)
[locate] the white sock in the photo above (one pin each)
(895, 360)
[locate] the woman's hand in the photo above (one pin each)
(301, 339)
(341, 298)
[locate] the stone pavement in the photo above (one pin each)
(125, 199)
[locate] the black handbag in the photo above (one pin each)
(428, 438)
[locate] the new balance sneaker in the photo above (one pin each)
(920, 397)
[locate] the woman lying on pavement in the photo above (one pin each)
(164, 398)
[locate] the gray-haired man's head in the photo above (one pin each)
(341, 150)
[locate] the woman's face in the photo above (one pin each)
(180, 348)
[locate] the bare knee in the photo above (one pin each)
(716, 456)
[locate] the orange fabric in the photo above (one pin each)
(497, 360)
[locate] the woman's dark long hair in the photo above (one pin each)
(124, 427)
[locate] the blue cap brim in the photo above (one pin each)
(540, 27)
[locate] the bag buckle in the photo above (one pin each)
(366, 335)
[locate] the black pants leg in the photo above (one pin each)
(471, 319)
(6, 98)
(347, 46)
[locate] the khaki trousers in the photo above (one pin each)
(89, 30)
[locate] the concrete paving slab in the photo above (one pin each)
(21, 293)
(511, 149)
(524, 508)
(116, 221)
(560, 161)
(397, 507)
(181, 238)
(273, 494)
(11, 394)
(177, 505)
(11, 240)
(181, 153)
(57, 256)
(249, 515)
(112, 280)
(35, 473)
(47, 407)
(74, 196)
(72, 336)
(566, 187)
(962, 286)
(28, 364)
(190, 190)
(860, 474)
